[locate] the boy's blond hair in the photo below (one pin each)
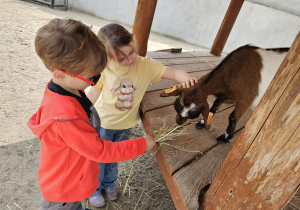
(70, 45)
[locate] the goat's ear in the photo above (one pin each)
(175, 92)
(196, 107)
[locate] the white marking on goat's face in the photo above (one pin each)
(186, 110)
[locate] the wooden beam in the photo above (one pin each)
(226, 26)
(263, 168)
(173, 187)
(142, 23)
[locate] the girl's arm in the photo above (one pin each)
(180, 76)
(93, 94)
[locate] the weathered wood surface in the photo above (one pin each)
(193, 160)
(262, 171)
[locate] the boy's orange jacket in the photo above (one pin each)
(71, 149)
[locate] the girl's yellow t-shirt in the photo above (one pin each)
(123, 91)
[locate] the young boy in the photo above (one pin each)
(66, 122)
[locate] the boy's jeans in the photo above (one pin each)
(108, 172)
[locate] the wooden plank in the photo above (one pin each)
(155, 54)
(142, 23)
(192, 67)
(267, 149)
(180, 61)
(194, 177)
(172, 185)
(226, 26)
(294, 203)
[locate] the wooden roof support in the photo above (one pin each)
(226, 26)
(263, 168)
(142, 23)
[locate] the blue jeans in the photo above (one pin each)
(108, 172)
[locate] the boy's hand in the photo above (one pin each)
(150, 143)
(188, 83)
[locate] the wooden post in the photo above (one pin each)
(170, 182)
(227, 24)
(142, 23)
(262, 171)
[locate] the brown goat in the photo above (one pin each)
(236, 79)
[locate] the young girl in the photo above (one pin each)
(121, 89)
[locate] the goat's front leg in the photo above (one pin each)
(208, 116)
(204, 123)
(216, 105)
(230, 129)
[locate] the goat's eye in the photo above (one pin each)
(124, 86)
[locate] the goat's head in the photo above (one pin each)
(188, 103)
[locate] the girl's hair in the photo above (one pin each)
(70, 45)
(115, 36)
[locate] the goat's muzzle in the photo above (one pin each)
(180, 120)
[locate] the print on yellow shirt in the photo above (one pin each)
(125, 97)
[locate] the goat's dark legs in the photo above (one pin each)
(235, 116)
(216, 105)
(230, 129)
(213, 109)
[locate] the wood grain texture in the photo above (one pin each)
(156, 55)
(191, 60)
(200, 172)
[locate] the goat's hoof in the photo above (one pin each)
(200, 125)
(224, 138)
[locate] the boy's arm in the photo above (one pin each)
(180, 76)
(83, 138)
(93, 94)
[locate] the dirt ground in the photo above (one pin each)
(23, 79)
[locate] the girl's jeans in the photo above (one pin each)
(108, 172)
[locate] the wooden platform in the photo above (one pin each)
(187, 172)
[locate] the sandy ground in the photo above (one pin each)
(23, 78)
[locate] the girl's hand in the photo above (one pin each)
(188, 83)
(180, 76)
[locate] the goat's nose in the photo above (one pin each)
(179, 122)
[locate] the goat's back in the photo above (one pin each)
(245, 73)
(237, 74)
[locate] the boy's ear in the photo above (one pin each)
(59, 75)
(169, 92)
